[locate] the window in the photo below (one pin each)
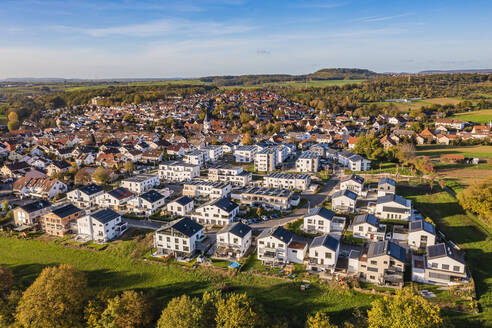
(445, 266)
(434, 265)
(374, 262)
(456, 268)
(328, 255)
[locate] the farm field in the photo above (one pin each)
(464, 174)
(468, 151)
(116, 270)
(480, 116)
(468, 233)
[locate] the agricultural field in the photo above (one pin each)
(480, 116)
(464, 174)
(468, 233)
(435, 151)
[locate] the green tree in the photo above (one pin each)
(101, 175)
(369, 146)
(405, 309)
(95, 307)
(477, 198)
(130, 310)
(184, 312)
(8, 304)
(405, 152)
(55, 299)
(244, 118)
(319, 320)
(236, 311)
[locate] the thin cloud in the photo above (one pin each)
(380, 18)
(318, 5)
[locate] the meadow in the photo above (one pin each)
(468, 151)
(480, 116)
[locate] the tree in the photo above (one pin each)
(7, 280)
(95, 307)
(369, 146)
(405, 309)
(5, 206)
(8, 304)
(247, 139)
(477, 198)
(101, 175)
(184, 312)
(236, 311)
(130, 310)
(55, 299)
(258, 212)
(319, 320)
(405, 152)
(13, 125)
(129, 166)
(13, 116)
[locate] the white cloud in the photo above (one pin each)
(380, 18)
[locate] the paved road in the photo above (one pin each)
(313, 201)
(143, 224)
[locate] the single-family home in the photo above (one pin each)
(27, 215)
(421, 234)
(178, 238)
(344, 201)
(147, 203)
(322, 220)
(323, 254)
(181, 206)
(85, 196)
(101, 226)
(219, 212)
(393, 206)
(353, 183)
(367, 226)
(233, 240)
(386, 186)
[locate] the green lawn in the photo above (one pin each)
(470, 234)
(115, 269)
(480, 116)
(467, 151)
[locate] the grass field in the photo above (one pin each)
(481, 116)
(109, 268)
(470, 234)
(464, 174)
(467, 151)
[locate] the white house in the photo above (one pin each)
(287, 181)
(308, 162)
(322, 220)
(196, 157)
(245, 154)
(353, 183)
(39, 187)
(421, 234)
(181, 206)
(215, 152)
(266, 160)
(344, 201)
(393, 207)
(178, 238)
(115, 199)
(210, 189)
(101, 226)
(178, 171)
(85, 196)
(218, 212)
(367, 226)
(233, 240)
(353, 162)
(28, 214)
(235, 175)
(141, 183)
(147, 203)
(323, 254)
(272, 246)
(386, 186)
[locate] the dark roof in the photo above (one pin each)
(386, 247)
(392, 198)
(321, 211)
(66, 210)
(366, 218)
(105, 215)
(327, 241)
(277, 232)
(238, 229)
(120, 193)
(419, 225)
(441, 250)
(388, 181)
(353, 177)
(152, 196)
(183, 200)
(35, 206)
(225, 204)
(90, 189)
(187, 227)
(345, 192)
(61, 164)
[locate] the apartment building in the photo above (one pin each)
(141, 183)
(308, 162)
(235, 175)
(196, 157)
(60, 221)
(266, 160)
(212, 190)
(178, 238)
(353, 161)
(279, 199)
(287, 181)
(101, 226)
(233, 240)
(245, 154)
(85, 196)
(215, 152)
(219, 212)
(178, 171)
(28, 214)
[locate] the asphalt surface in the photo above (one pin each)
(313, 200)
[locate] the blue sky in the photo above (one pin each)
(171, 38)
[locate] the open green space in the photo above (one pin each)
(469, 234)
(113, 268)
(468, 151)
(480, 116)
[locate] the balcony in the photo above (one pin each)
(393, 276)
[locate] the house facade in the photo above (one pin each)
(220, 212)
(178, 238)
(233, 240)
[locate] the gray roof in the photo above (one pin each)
(392, 198)
(345, 192)
(187, 227)
(65, 210)
(442, 250)
(35, 206)
(105, 215)
(225, 204)
(183, 200)
(238, 229)
(90, 189)
(419, 225)
(353, 177)
(277, 232)
(388, 181)
(321, 211)
(152, 196)
(327, 241)
(387, 247)
(366, 218)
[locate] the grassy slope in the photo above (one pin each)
(481, 116)
(472, 236)
(279, 297)
(468, 151)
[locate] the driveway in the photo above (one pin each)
(313, 200)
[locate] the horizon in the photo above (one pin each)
(126, 39)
